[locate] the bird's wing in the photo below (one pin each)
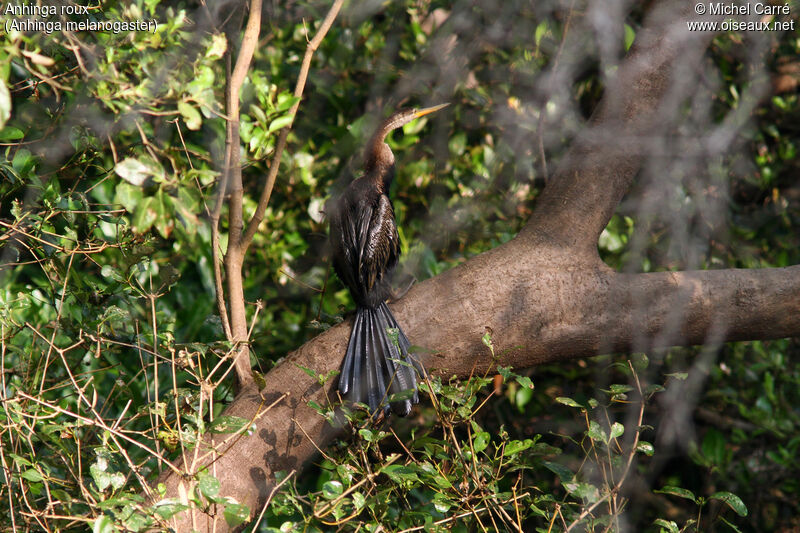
(345, 236)
(380, 243)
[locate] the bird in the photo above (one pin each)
(365, 248)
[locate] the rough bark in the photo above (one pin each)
(546, 296)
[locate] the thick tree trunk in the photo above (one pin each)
(546, 296)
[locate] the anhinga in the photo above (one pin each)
(365, 248)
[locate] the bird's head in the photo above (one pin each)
(401, 118)
(378, 152)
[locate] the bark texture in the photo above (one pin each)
(546, 295)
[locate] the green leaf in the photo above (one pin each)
(617, 429)
(525, 381)
(236, 514)
(652, 389)
(280, 122)
(217, 47)
(103, 477)
(569, 402)
(619, 389)
(32, 475)
(564, 473)
(130, 196)
(516, 446)
(645, 448)
(332, 489)
(228, 424)
(307, 371)
(190, 115)
(541, 30)
(669, 526)
(441, 503)
(458, 143)
(400, 473)
(359, 500)
(23, 161)
(584, 491)
(679, 375)
(169, 507)
(208, 485)
(104, 524)
(145, 215)
(133, 171)
(714, 447)
(394, 335)
(5, 104)
(487, 339)
(676, 491)
(10, 133)
(137, 522)
(630, 35)
(481, 441)
(640, 361)
(367, 434)
(596, 433)
(733, 501)
(19, 460)
(285, 101)
(523, 397)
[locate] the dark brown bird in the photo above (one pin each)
(366, 248)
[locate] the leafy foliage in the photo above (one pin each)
(111, 354)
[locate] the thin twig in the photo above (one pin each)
(586, 512)
(269, 499)
(3, 389)
(465, 514)
(101, 424)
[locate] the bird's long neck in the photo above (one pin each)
(379, 162)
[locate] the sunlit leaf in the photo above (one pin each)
(676, 491)
(733, 501)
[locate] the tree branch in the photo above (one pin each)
(602, 162)
(234, 256)
(216, 249)
(540, 311)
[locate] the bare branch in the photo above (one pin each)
(222, 187)
(234, 256)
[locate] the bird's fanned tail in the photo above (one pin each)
(371, 373)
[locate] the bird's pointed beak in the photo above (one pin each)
(429, 110)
